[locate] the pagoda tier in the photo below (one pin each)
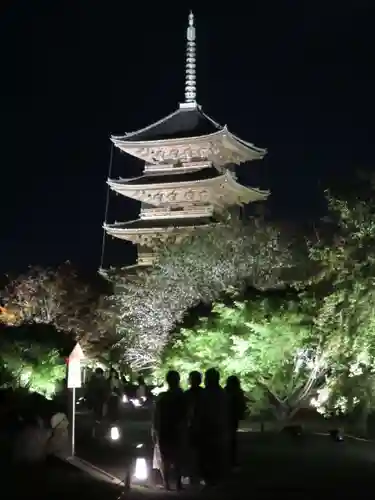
(188, 134)
(206, 186)
(148, 233)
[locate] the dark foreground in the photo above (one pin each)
(310, 466)
(54, 480)
(270, 465)
(279, 464)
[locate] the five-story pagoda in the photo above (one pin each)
(189, 180)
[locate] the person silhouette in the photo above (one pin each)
(213, 421)
(193, 397)
(168, 429)
(237, 408)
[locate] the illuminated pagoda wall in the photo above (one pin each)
(188, 182)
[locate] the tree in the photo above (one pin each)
(32, 366)
(346, 308)
(269, 342)
(56, 297)
(31, 357)
(234, 254)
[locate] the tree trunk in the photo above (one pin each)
(281, 412)
(284, 414)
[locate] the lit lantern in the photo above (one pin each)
(140, 472)
(115, 433)
(140, 469)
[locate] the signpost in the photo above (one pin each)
(74, 382)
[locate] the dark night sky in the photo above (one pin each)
(297, 80)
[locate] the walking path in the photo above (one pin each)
(271, 464)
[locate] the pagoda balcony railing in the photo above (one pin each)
(182, 167)
(168, 213)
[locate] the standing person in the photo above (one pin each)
(193, 399)
(213, 421)
(168, 429)
(97, 394)
(237, 409)
(141, 392)
(114, 384)
(125, 383)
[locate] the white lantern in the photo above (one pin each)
(115, 433)
(140, 469)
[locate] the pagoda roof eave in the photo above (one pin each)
(164, 185)
(261, 193)
(164, 142)
(224, 132)
(150, 230)
(248, 145)
(118, 224)
(135, 234)
(145, 129)
(122, 186)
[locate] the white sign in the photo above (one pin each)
(74, 374)
(74, 382)
(77, 353)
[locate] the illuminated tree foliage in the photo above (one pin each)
(55, 297)
(32, 357)
(32, 366)
(347, 308)
(270, 343)
(230, 255)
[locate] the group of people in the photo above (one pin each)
(103, 394)
(195, 431)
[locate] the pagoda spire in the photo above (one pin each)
(190, 68)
